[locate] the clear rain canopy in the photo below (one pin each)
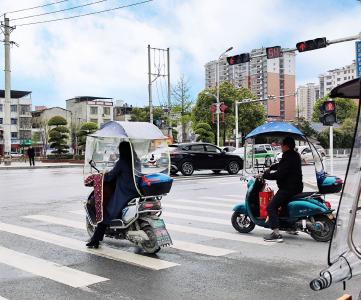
(344, 255)
(347, 233)
(150, 152)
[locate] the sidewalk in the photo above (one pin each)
(38, 165)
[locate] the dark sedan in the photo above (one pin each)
(187, 158)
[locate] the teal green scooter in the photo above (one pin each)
(307, 212)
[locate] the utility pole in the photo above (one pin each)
(169, 92)
(331, 148)
(150, 88)
(6, 29)
(163, 71)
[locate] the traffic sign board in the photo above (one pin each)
(358, 58)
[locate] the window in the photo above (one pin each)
(14, 121)
(14, 135)
(345, 78)
(1, 107)
(93, 110)
(212, 149)
(13, 108)
(1, 120)
(106, 111)
(338, 79)
(197, 148)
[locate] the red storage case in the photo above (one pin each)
(265, 197)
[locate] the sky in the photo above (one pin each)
(106, 54)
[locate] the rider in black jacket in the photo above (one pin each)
(288, 174)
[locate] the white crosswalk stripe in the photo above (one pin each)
(110, 253)
(2, 298)
(181, 245)
(47, 269)
(204, 232)
(200, 209)
(198, 202)
(221, 199)
(218, 234)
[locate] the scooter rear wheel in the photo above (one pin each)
(89, 227)
(150, 246)
(324, 235)
(242, 223)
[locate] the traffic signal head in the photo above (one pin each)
(238, 59)
(311, 44)
(328, 113)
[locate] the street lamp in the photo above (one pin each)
(217, 96)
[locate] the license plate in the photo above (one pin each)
(163, 237)
(159, 223)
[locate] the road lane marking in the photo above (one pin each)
(187, 217)
(107, 252)
(48, 269)
(218, 234)
(229, 206)
(200, 209)
(181, 245)
(220, 199)
(233, 196)
(2, 298)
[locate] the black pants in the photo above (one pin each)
(32, 161)
(281, 198)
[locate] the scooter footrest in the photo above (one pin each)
(115, 223)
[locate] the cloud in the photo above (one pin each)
(106, 54)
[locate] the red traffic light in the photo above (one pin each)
(238, 59)
(330, 106)
(213, 108)
(311, 44)
(223, 107)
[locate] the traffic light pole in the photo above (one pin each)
(331, 149)
(150, 88)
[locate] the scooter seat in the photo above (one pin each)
(302, 195)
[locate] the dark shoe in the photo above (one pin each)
(273, 237)
(93, 244)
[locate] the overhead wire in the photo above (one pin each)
(60, 10)
(87, 14)
(35, 7)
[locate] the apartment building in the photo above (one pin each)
(335, 77)
(20, 119)
(263, 77)
(98, 110)
(306, 96)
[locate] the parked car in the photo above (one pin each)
(15, 154)
(306, 154)
(189, 157)
(262, 157)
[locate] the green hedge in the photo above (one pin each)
(60, 156)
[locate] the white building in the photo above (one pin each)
(20, 118)
(333, 78)
(263, 77)
(306, 96)
(98, 110)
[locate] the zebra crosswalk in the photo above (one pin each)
(195, 227)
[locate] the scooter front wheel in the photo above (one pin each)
(242, 223)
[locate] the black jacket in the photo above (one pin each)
(288, 172)
(31, 152)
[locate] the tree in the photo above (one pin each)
(141, 114)
(59, 135)
(204, 133)
(250, 116)
(342, 136)
(182, 105)
(305, 126)
(85, 129)
(345, 108)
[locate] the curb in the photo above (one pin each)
(40, 167)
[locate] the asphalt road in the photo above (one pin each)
(43, 255)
